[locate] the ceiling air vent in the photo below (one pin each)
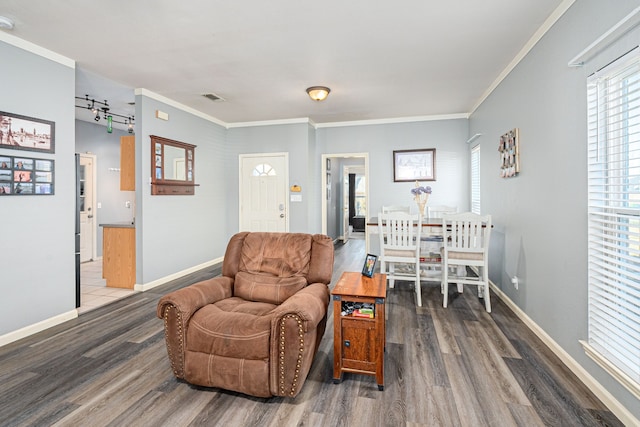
(213, 97)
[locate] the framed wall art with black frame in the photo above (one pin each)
(26, 133)
(414, 165)
(26, 176)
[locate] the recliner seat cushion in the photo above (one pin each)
(233, 328)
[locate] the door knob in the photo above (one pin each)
(281, 215)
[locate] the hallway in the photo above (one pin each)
(94, 292)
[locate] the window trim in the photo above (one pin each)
(610, 130)
(475, 181)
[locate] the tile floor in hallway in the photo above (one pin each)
(94, 292)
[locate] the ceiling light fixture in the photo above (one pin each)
(102, 110)
(318, 93)
(6, 23)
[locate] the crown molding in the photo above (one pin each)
(393, 121)
(546, 26)
(37, 50)
(179, 106)
(270, 123)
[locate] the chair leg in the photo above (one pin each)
(418, 287)
(444, 286)
(487, 299)
(461, 270)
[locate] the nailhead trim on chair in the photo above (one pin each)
(180, 354)
(300, 353)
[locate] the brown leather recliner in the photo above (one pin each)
(256, 328)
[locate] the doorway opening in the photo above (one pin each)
(344, 203)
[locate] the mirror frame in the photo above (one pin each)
(159, 184)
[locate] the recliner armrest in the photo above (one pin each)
(176, 309)
(193, 297)
(309, 304)
(296, 327)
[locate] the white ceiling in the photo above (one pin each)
(382, 60)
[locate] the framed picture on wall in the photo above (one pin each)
(414, 165)
(20, 176)
(26, 133)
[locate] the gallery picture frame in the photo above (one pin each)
(26, 176)
(18, 132)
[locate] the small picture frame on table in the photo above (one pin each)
(369, 265)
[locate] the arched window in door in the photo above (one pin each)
(264, 169)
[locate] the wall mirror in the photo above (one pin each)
(172, 167)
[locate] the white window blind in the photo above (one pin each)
(475, 179)
(614, 216)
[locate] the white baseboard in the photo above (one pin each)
(60, 318)
(37, 327)
(161, 281)
(602, 393)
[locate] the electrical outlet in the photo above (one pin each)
(515, 281)
(127, 204)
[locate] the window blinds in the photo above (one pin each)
(614, 215)
(475, 179)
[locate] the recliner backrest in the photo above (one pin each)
(270, 267)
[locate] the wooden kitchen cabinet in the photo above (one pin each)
(119, 255)
(127, 163)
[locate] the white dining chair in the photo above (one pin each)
(400, 247)
(438, 211)
(396, 208)
(466, 244)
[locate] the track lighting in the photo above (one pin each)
(103, 111)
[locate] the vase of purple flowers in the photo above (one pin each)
(421, 196)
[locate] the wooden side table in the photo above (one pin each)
(359, 342)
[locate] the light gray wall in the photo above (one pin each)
(540, 216)
(94, 139)
(289, 138)
(37, 237)
(448, 137)
(174, 233)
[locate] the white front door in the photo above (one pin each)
(263, 192)
(86, 206)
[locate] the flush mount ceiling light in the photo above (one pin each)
(6, 23)
(318, 93)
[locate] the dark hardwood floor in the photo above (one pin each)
(458, 366)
